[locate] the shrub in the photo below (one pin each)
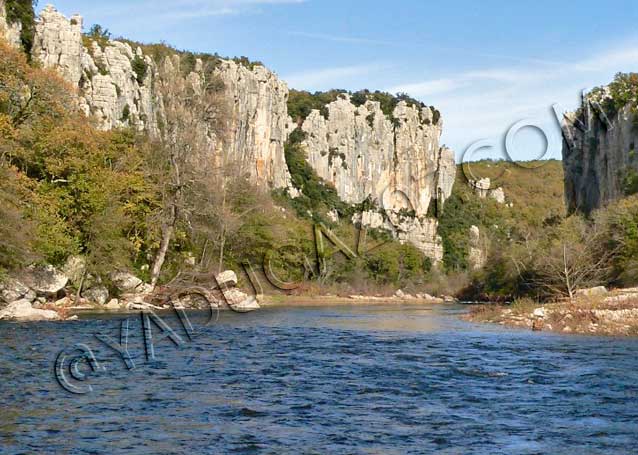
(140, 68)
(630, 182)
(318, 196)
(98, 34)
(126, 113)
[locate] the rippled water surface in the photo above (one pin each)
(362, 380)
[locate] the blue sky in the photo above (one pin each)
(486, 65)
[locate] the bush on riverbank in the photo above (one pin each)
(566, 255)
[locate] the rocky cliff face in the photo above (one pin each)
(598, 157)
(118, 94)
(396, 161)
(11, 32)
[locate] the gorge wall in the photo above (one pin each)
(113, 89)
(599, 154)
(394, 159)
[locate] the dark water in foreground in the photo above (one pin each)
(368, 380)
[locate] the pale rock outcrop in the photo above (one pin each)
(11, 32)
(483, 189)
(477, 257)
(58, 44)
(396, 162)
(23, 311)
(370, 219)
(108, 88)
(446, 174)
(362, 153)
(333, 216)
(259, 122)
(498, 195)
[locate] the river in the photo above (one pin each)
(330, 380)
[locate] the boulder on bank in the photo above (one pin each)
(23, 311)
(227, 278)
(126, 282)
(12, 290)
(98, 294)
(45, 280)
(114, 305)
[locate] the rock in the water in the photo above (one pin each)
(227, 279)
(126, 282)
(23, 311)
(249, 303)
(45, 280)
(234, 296)
(240, 301)
(98, 294)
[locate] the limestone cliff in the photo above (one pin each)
(395, 160)
(598, 154)
(10, 31)
(116, 82)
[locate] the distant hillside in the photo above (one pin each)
(536, 188)
(534, 197)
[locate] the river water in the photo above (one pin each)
(338, 380)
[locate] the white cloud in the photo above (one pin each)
(484, 102)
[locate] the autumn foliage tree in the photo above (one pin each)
(79, 190)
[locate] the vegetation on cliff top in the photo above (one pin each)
(302, 103)
(159, 51)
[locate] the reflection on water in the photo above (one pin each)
(361, 380)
